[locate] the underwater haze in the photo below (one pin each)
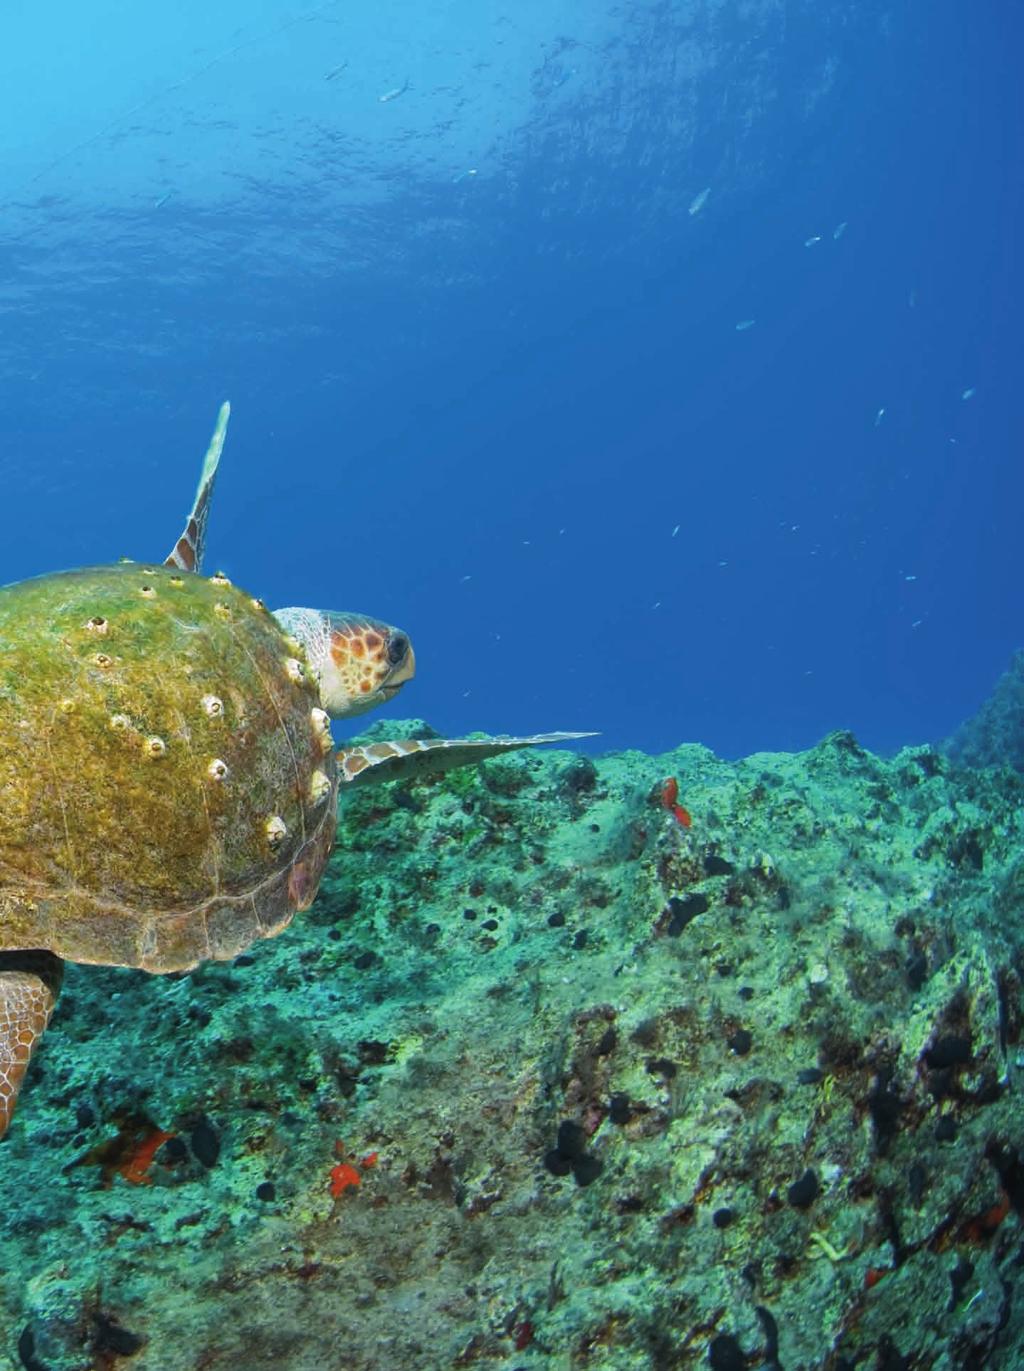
(656, 366)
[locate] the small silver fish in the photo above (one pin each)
(336, 72)
(700, 200)
(968, 393)
(879, 416)
(744, 324)
(839, 230)
(810, 242)
(390, 95)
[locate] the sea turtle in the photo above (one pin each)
(169, 780)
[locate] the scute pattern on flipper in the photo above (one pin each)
(29, 984)
(405, 758)
(187, 553)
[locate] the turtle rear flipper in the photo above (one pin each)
(29, 985)
(411, 758)
(187, 552)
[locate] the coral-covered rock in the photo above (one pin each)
(995, 735)
(778, 1076)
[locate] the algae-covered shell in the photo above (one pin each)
(141, 824)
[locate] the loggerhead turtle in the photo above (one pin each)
(169, 781)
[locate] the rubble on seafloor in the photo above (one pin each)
(550, 1078)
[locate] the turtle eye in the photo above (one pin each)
(398, 649)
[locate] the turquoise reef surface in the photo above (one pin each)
(548, 1078)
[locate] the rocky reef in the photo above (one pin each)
(563, 1069)
(995, 735)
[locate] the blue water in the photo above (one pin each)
(483, 360)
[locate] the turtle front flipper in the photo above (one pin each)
(188, 550)
(406, 758)
(29, 985)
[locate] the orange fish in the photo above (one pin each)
(669, 800)
(139, 1160)
(342, 1176)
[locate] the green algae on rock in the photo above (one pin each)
(856, 932)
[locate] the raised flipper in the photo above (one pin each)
(188, 550)
(411, 758)
(29, 985)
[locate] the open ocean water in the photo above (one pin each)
(655, 365)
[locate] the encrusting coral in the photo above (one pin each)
(546, 1078)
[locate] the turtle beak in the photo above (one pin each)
(404, 671)
(400, 652)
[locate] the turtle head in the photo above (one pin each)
(358, 662)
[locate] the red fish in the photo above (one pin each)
(342, 1176)
(670, 801)
(138, 1161)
